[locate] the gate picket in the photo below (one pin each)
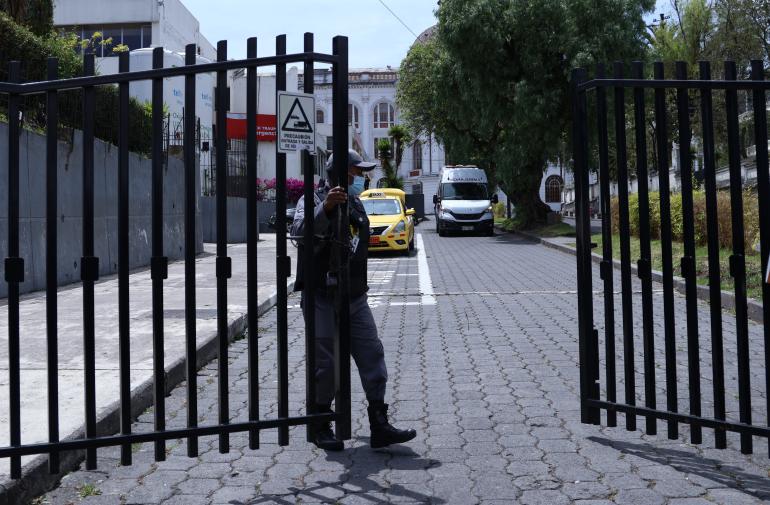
(763, 195)
(715, 282)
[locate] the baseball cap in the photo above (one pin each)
(354, 159)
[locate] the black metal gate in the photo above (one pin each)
(15, 91)
(691, 101)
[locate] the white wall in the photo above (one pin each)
(83, 12)
(177, 27)
(266, 101)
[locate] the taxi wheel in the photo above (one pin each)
(411, 245)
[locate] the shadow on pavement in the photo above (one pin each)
(361, 464)
(727, 474)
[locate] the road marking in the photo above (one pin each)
(426, 286)
(408, 275)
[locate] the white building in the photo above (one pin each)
(372, 110)
(134, 23)
(266, 121)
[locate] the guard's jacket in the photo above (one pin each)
(358, 240)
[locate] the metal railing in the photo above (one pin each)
(596, 140)
(15, 91)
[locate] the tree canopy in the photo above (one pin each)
(37, 15)
(493, 84)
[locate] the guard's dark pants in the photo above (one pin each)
(365, 346)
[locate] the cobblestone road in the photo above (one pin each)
(485, 368)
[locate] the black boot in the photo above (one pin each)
(323, 436)
(383, 433)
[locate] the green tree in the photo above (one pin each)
(392, 179)
(713, 31)
(401, 138)
(37, 15)
(494, 84)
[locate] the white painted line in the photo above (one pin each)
(426, 286)
(405, 303)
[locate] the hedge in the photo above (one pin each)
(19, 44)
(724, 218)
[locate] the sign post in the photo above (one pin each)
(296, 122)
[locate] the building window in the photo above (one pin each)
(113, 34)
(417, 155)
(134, 36)
(353, 118)
(553, 187)
(384, 115)
(319, 116)
(147, 36)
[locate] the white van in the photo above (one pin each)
(463, 202)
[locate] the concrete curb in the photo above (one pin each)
(36, 479)
(728, 298)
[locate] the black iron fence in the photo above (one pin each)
(689, 105)
(15, 92)
(238, 182)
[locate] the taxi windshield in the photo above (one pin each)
(384, 207)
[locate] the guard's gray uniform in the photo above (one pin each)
(365, 345)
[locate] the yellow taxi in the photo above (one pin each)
(391, 224)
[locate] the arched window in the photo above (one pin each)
(353, 118)
(417, 155)
(553, 187)
(384, 115)
(319, 116)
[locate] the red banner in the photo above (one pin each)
(236, 126)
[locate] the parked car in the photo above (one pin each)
(463, 202)
(391, 224)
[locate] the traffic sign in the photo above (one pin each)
(296, 122)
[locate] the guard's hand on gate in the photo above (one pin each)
(334, 197)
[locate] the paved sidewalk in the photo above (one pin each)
(71, 379)
(485, 367)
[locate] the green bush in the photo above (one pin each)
(17, 43)
(724, 218)
(20, 44)
(677, 221)
(499, 209)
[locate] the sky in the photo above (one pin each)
(376, 37)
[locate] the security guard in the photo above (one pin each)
(365, 345)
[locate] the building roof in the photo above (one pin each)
(358, 76)
(427, 34)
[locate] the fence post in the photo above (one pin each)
(308, 256)
(282, 259)
(51, 272)
(589, 359)
(252, 237)
(340, 132)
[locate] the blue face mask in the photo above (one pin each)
(357, 186)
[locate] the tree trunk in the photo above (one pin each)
(530, 209)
